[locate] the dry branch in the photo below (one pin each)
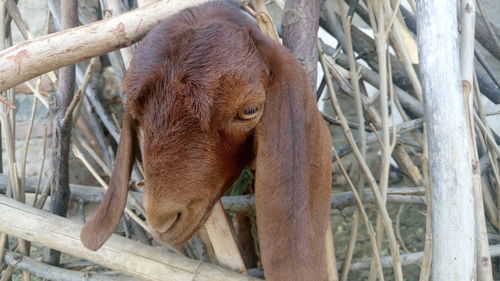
(32, 58)
(119, 253)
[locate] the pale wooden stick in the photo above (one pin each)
(223, 240)
(451, 179)
(425, 269)
(483, 260)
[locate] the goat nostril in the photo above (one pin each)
(165, 223)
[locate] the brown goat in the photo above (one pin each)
(208, 94)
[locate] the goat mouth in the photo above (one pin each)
(184, 227)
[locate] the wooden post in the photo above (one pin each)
(300, 28)
(59, 199)
(453, 220)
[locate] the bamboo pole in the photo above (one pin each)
(453, 222)
(125, 255)
(31, 58)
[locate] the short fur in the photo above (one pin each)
(190, 78)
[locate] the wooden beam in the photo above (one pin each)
(119, 253)
(32, 58)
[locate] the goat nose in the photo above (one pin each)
(162, 222)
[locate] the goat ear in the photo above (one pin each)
(293, 171)
(102, 224)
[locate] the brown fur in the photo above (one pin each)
(187, 82)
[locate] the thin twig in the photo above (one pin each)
(398, 228)
(28, 137)
(369, 227)
(78, 153)
(42, 164)
(70, 111)
(425, 270)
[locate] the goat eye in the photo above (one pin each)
(248, 113)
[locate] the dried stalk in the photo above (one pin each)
(378, 12)
(369, 227)
(398, 44)
(398, 231)
(28, 137)
(362, 138)
(42, 165)
(492, 152)
(3, 247)
(137, 205)
(400, 155)
(425, 269)
(85, 145)
(73, 110)
(483, 260)
(364, 167)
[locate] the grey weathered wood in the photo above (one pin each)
(300, 30)
(59, 199)
(453, 221)
(119, 253)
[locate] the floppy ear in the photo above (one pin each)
(293, 171)
(102, 224)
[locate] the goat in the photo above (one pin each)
(207, 95)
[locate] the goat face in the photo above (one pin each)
(196, 138)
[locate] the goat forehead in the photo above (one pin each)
(193, 96)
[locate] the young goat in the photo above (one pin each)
(208, 94)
